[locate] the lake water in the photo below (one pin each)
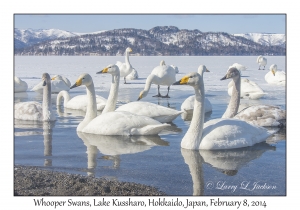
(157, 161)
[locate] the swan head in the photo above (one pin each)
(57, 77)
(143, 94)
(128, 49)
(111, 69)
(191, 79)
(273, 69)
(162, 63)
(46, 79)
(232, 72)
(202, 69)
(83, 79)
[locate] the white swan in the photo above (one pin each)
(157, 112)
(274, 76)
(125, 68)
(160, 75)
(249, 89)
(218, 133)
(133, 75)
(188, 104)
(239, 66)
(20, 85)
(78, 102)
(262, 61)
(259, 115)
(58, 83)
(111, 122)
(35, 111)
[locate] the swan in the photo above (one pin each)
(125, 68)
(217, 133)
(258, 115)
(160, 75)
(249, 89)
(58, 83)
(262, 61)
(111, 122)
(274, 76)
(188, 105)
(20, 85)
(133, 75)
(78, 102)
(157, 112)
(36, 111)
(239, 67)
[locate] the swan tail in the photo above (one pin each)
(149, 129)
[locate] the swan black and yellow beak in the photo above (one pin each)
(53, 78)
(207, 70)
(184, 80)
(77, 83)
(273, 72)
(105, 70)
(225, 77)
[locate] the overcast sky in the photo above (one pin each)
(230, 23)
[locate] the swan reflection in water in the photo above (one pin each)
(47, 130)
(114, 146)
(228, 162)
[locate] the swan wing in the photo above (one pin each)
(123, 123)
(231, 133)
(157, 112)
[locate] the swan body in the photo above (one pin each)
(262, 61)
(239, 67)
(125, 68)
(263, 115)
(58, 83)
(218, 133)
(20, 85)
(157, 112)
(133, 75)
(160, 75)
(249, 89)
(274, 76)
(188, 104)
(78, 102)
(35, 111)
(111, 122)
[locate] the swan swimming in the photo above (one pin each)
(217, 133)
(58, 83)
(274, 76)
(160, 75)
(188, 104)
(111, 122)
(36, 111)
(262, 61)
(20, 85)
(125, 68)
(157, 112)
(259, 115)
(78, 102)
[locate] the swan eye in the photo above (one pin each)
(191, 76)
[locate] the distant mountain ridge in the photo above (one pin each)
(160, 40)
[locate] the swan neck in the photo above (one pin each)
(62, 95)
(127, 58)
(113, 94)
(234, 102)
(47, 108)
(193, 136)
